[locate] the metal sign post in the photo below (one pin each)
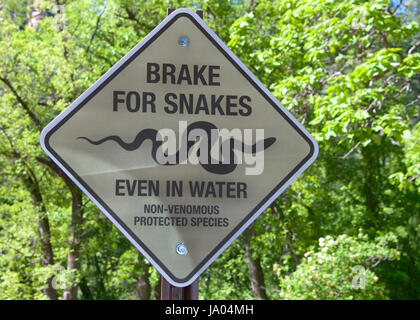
(170, 292)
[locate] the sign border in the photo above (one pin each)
(112, 216)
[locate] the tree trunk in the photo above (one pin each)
(372, 176)
(157, 290)
(256, 274)
(73, 259)
(47, 257)
(143, 288)
(84, 288)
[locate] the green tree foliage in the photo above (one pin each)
(348, 70)
(345, 71)
(337, 269)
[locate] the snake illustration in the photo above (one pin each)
(210, 166)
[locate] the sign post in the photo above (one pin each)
(181, 147)
(170, 292)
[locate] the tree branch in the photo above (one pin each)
(414, 47)
(396, 7)
(351, 150)
(98, 21)
(51, 164)
(23, 103)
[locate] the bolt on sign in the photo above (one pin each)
(180, 146)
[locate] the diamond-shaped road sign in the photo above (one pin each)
(176, 86)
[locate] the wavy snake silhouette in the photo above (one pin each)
(151, 134)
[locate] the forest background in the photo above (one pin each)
(348, 228)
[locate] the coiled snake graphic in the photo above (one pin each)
(210, 166)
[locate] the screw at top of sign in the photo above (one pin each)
(184, 41)
(181, 249)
